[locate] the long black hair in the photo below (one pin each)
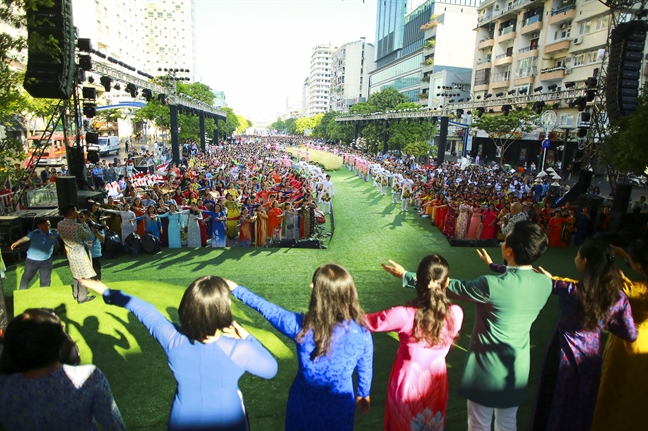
(600, 283)
(431, 301)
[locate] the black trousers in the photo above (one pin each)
(96, 265)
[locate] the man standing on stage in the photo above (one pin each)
(39, 254)
(74, 236)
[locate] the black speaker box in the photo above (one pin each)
(288, 243)
(50, 74)
(93, 156)
(622, 198)
(88, 195)
(309, 243)
(66, 191)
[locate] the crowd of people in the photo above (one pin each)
(579, 388)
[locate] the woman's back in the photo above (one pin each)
(66, 399)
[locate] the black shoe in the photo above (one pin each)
(88, 299)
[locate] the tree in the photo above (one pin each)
(291, 126)
(278, 125)
(228, 127)
(302, 124)
(320, 129)
(387, 98)
(243, 124)
(504, 130)
(624, 146)
(420, 149)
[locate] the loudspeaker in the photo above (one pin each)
(76, 162)
(93, 156)
(66, 191)
(50, 71)
(580, 188)
(288, 243)
(309, 243)
(622, 198)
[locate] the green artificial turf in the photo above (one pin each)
(369, 230)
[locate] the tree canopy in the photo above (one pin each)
(504, 130)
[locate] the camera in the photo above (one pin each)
(92, 224)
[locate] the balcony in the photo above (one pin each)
(531, 24)
(511, 9)
(552, 73)
(481, 87)
(484, 64)
(507, 33)
(503, 59)
(566, 13)
(501, 81)
(486, 43)
(527, 51)
(561, 45)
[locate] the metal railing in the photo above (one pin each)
(563, 9)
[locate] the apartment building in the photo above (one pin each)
(534, 47)
(350, 67)
(319, 81)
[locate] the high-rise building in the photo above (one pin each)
(219, 99)
(304, 101)
(171, 35)
(350, 68)
(115, 27)
(319, 82)
(402, 29)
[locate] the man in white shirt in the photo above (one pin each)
(327, 193)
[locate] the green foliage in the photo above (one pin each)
(291, 126)
(624, 147)
(278, 125)
(405, 133)
(229, 126)
(420, 149)
(387, 98)
(504, 130)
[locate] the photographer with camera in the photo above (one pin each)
(95, 240)
(39, 255)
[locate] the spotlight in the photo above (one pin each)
(506, 109)
(523, 90)
(159, 69)
(117, 86)
(460, 113)
(132, 89)
(500, 94)
(552, 87)
(468, 98)
(511, 92)
(580, 103)
(106, 81)
(434, 119)
(538, 107)
(91, 79)
(488, 96)
(478, 97)
(146, 93)
(572, 103)
(480, 111)
(519, 107)
(556, 105)
(451, 101)
(491, 110)
(538, 89)
(570, 84)
(161, 98)
(460, 100)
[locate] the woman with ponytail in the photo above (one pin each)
(418, 385)
(571, 373)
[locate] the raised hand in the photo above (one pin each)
(394, 269)
(484, 256)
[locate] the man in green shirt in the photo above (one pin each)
(496, 372)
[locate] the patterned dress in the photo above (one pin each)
(449, 223)
(127, 222)
(417, 396)
(465, 211)
(74, 235)
(70, 398)
(322, 395)
(622, 397)
(570, 377)
(193, 230)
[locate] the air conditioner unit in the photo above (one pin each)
(578, 40)
(568, 70)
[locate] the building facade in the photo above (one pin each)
(170, 40)
(539, 48)
(350, 68)
(416, 38)
(319, 82)
(219, 99)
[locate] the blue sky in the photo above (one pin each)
(258, 51)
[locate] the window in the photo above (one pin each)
(592, 57)
(150, 14)
(579, 59)
(169, 15)
(160, 15)
(178, 7)
(526, 67)
(584, 27)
